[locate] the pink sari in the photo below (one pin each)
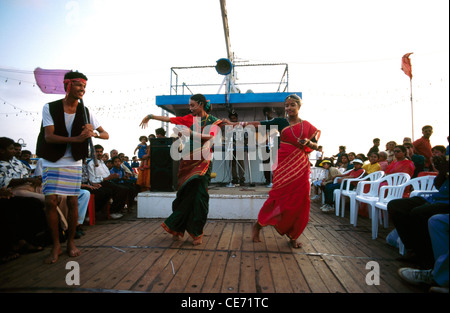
(288, 205)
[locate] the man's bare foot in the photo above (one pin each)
(54, 254)
(197, 241)
(72, 250)
(295, 244)
(255, 232)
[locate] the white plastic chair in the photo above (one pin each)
(338, 192)
(373, 196)
(317, 173)
(421, 185)
(343, 172)
(351, 194)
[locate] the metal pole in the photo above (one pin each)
(412, 110)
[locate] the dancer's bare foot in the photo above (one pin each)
(54, 254)
(295, 244)
(72, 250)
(176, 237)
(255, 232)
(197, 241)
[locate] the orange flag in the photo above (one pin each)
(406, 65)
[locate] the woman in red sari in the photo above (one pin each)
(288, 205)
(401, 164)
(191, 205)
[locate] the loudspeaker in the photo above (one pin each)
(223, 66)
(163, 169)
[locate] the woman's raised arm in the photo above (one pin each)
(149, 117)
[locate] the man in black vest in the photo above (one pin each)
(62, 144)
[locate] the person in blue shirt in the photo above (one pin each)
(124, 180)
(141, 147)
(410, 217)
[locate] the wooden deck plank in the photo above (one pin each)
(232, 269)
(137, 255)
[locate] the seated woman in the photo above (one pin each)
(401, 164)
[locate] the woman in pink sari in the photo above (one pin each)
(288, 205)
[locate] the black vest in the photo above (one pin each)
(55, 151)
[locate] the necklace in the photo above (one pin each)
(204, 124)
(292, 131)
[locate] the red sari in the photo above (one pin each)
(288, 205)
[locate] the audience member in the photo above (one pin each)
(362, 157)
(319, 156)
(373, 165)
(437, 277)
(101, 176)
(401, 163)
(407, 140)
(134, 162)
(141, 147)
(339, 155)
(329, 188)
(344, 164)
(113, 153)
(376, 144)
(351, 158)
(437, 151)
(390, 151)
(237, 162)
(332, 173)
(18, 150)
(105, 157)
(422, 146)
(25, 158)
(418, 160)
(160, 133)
(382, 160)
(102, 195)
(410, 217)
(22, 219)
(123, 179)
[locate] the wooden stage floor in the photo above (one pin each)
(137, 255)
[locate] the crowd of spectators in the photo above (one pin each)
(23, 223)
(421, 223)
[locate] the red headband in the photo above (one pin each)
(69, 82)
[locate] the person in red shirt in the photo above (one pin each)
(422, 146)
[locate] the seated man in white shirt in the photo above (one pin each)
(100, 176)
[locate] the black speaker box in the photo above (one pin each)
(163, 169)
